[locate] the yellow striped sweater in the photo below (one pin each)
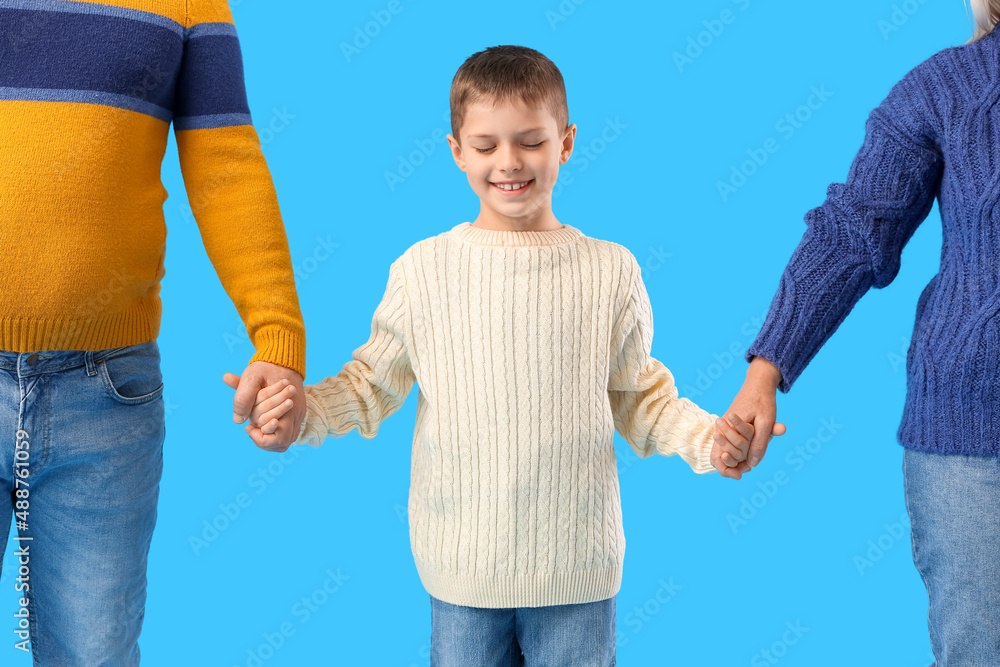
(88, 91)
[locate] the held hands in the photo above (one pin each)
(266, 393)
(732, 443)
(756, 403)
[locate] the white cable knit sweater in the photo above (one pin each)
(529, 349)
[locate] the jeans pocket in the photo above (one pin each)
(131, 375)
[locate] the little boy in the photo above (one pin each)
(530, 343)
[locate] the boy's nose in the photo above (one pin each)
(508, 160)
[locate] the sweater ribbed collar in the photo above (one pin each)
(992, 37)
(495, 237)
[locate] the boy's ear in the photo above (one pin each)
(456, 152)
(569, 136)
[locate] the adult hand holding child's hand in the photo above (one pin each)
(755, 405)
(731, 442)
(270, 395)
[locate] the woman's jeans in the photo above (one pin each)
(81, 443)
(569, 635)
(954, 506)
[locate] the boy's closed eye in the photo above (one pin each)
(528, 146)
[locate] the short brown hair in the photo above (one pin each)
(508, 73)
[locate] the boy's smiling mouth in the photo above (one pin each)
(511, 188)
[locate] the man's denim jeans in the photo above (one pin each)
(569, 635)
(954, 506)
(88, 427)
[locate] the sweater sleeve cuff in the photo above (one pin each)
(282, 347)
(690, 436)
(773, 343)
(302, 429)
(703, 453)
(313, 430)
(787, 377)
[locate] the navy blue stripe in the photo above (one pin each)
(209, 122)
(93, 9)
(90, 52)
(211, 78)
(210, 30)
(86, 97)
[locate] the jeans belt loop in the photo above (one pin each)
(88, 357)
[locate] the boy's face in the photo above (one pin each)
(511, 154)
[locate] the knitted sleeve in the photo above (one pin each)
(230, 189)
(854, 241)
(645, 404)
(374, 384)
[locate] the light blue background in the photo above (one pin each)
(331, 130)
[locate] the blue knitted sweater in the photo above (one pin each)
(937, 134)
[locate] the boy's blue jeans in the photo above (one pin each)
(89, 428)
(569, 635)
(954, 505)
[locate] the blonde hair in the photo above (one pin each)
(985, 14)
